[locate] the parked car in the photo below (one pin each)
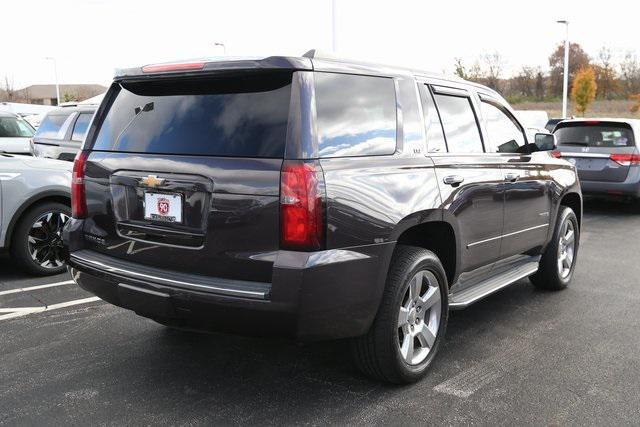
(15, 133)
(317, 199)
(62, 131)
(35, 197)
(552, 123)
(605, 153)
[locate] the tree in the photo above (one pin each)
(69, 97)
(492, 70)
(539, 86)
(584, 88)
(636, 107)
(524, 82)
(606, 76)
(630, 74)
(461, 70)
(7, 92)
(578, 59)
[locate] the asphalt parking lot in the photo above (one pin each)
(521, 356)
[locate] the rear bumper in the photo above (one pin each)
(630, 187)
(318, 295)
(598, 188)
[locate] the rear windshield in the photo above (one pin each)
(52, 126)
(14, 127)
(594, 134)
(237, 117)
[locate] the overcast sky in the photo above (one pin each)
(91, 38)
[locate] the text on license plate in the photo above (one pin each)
(163, 207)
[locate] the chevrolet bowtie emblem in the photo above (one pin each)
(151, 181)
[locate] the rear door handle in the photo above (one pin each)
(453, 180)
(511, 176)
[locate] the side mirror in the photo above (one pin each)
(545, 141)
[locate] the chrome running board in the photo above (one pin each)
(501, 276)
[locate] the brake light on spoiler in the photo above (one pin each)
(179, 66)
(626, 159)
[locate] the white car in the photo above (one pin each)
(35, 198)
(15, 134)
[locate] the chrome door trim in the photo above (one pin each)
(480, 242)
(589, 155)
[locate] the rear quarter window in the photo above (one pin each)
(232, 117)
(356, 115)
(53, 126)
(81, 126)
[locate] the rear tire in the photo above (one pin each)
(559, 259)
(411, 320)
(39, 232)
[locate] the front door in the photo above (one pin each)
(527, 182)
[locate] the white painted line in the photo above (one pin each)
(22, 312)
(35, 288)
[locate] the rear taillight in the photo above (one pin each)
(78, 195)
(557, 154)
(301, 205)
(626, 159)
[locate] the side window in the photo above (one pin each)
(504, 132)
(435, 136)
(356, 115)
(459, 123)
(53, 126)
(81, 126)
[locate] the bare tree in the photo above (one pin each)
(630, 74)
(606, 76)
(493, 65)
(524, 82)
(8, 92)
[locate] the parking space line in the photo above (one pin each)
(35, 288)
(19, 312)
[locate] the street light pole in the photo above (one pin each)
(333, 26)
(565, 86)
(55, 71)
(224, 48)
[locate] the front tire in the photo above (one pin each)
(36, 244)
(411, 321)
(559, 259)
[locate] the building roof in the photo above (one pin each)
(49, 91)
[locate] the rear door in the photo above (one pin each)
(597, 148)
(527, 180)
(470, 180)
(184, 174)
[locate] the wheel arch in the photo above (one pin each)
(437, 234)
(573, 201)
(46, 196)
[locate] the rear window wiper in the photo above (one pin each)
(137, 113)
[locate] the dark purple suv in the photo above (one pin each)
(316, 199)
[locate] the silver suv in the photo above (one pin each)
(35, 205)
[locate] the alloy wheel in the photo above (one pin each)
(566, 249)
(419, 317)
(44, 240)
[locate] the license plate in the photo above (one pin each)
(163, 207)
